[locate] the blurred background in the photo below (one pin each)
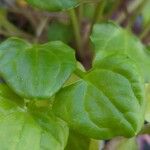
(17, 18)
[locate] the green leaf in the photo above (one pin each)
(57, 5)
(75, 77)
(147, 111)
(22, 129)
(35, 71)
(10, 95)
(106, 102)
(125, 144)
(95, 144)
(77, 141)
(146, 13)
(59, 31)
(109, 38)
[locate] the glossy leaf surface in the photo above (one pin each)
(35, 71)
(109, 38)
(22, 129)
(106, 102)
(56, 5)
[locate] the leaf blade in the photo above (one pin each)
(109, 38)
(24, 129)
(37, 71)
(99, 105)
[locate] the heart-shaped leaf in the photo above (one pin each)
(109, 38)
(22, 129)
(35, 71)
(57, 5)
(106, 102)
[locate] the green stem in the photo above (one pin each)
(81, 13)
(145, 31)
(8, 29)
(76, 28)
(114, 8)
(98, 15)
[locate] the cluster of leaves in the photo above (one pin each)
(102, 103)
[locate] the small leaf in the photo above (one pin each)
(109, 38)
(107, 102)
(22, 129)
(57, 5)
(35, 71)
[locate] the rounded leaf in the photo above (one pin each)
(107, 102)
(35, 71)
(109, 38)
(22, 129)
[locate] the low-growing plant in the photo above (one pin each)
(50, 102)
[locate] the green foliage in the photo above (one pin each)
(56, 5)
(89, 9)
(35, 71)
(146, 13)
(76, 108)
(24, 129)
(147, 111)
(108, 38)
(77, 141)
(127, 144)
(59, 31)
(106, 102)
(120, 143)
